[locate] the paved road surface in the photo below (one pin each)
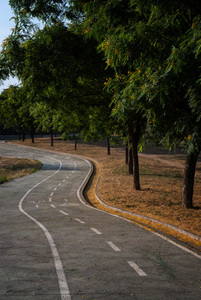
(52, 246)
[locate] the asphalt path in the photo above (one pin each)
(54, 246)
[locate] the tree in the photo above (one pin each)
(15, 110)
(140, 40)
(152, 47)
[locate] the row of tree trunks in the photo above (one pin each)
(21, 133)
(133, 168)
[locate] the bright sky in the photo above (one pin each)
(5, 29)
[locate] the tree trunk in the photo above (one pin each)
(130, 159)
(188, 183)
(32, 133)
(108, 145)
(134, 136)
(136, 172)
(126, 154)
(51, 136)
(76, 143)
(23, 135)
(19, 133)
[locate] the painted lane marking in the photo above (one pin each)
(60, 184)
(53, 205)
(63, 204)
(73, 204)
(136, 268)
(50, 199)
(63, 285)
(63, 212)
(64, 180)
(55, 189)
(52, 194)
(96, 231)
(80, 221)
(113, 246)
(34, 202)
(179, 246)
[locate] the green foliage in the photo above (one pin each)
(153, 47)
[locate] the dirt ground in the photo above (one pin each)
(161, 176)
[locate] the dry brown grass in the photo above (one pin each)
(11, 168)
(161, 182)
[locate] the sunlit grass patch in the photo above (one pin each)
(11, 168)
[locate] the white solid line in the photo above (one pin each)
(179, 246)
(80, 221)
(64, 213)
(113, 246)
(53, 205)
(136, 268)
(96, 231)
(63, 285)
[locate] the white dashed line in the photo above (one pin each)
(80, 221)
(73, 204)
(59, 184)
(64, 180)
(96, 231)
(52, 194)
(53, 205)
(55, 189)
(136, 268)
(64, 213)
(50, 199)
(63, 285)
(63, 204)
(113, 246)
